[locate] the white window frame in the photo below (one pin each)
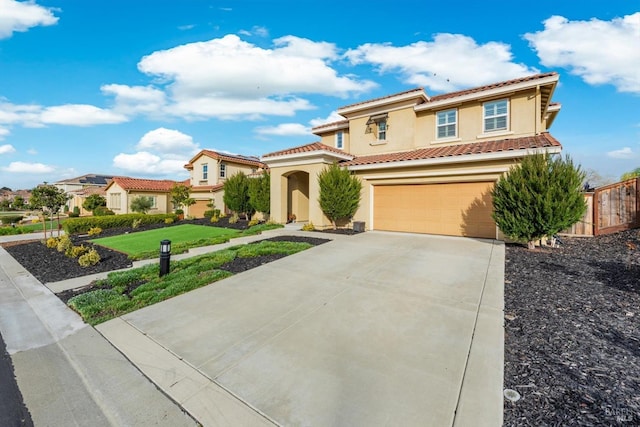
(447, 124)
(382, 132)
(340, 140)
(223, 170)
(495, 116)
(205, 171)
(115, 200)
(154, 201)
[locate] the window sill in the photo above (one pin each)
(378, 142)
(494, 134)
(445, 140)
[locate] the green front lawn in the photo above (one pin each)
(146, 244)
(116, 298)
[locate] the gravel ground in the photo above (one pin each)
(572, 332)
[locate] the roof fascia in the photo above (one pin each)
(307, 156)
(418, 94)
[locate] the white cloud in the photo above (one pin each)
(136, 99)
(7, 149)
(449, 62)
(32, 151)
(80, 115)
(331, 118)
(623, 153)
(231, 78)
(4, 132)
(147, 163)
(256, 30)
(22, 15)
(167, 141)
(30, 168)
(186, 27)
(601, 52)
(285, 129)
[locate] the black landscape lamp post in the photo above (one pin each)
(165, 256)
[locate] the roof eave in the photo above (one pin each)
(307, 155)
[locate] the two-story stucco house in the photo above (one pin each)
(427, 163)
(209, 170)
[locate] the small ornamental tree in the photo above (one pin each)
(339, 193)
(631, 174)
(539, 197)
(180, 195)
(142, 204)
(236, 194)
(260, 193)
(18, 203)
(94, 201)
(50, 199)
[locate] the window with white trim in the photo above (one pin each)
(223, 170)
(382, 129)
(447, 124)
(340, 140)
(154, 201)
(205, 171)
(496, 115)
(114, 201)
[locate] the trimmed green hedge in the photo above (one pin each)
(82, 225)
(10, 219)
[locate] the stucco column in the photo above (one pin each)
(279, 192)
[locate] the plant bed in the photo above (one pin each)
(572, 332)
(123, 292)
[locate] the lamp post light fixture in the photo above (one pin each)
(165, 256)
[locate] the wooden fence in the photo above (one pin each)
(611, 208)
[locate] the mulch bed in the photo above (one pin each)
(572, 332)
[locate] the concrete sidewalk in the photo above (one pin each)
(376, 329)
(69, 374)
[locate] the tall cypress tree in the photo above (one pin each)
(539, 197)
(339, 193)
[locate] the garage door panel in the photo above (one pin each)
(455, 209)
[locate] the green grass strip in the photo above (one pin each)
(114, 300)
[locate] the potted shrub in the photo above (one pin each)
(180, 213)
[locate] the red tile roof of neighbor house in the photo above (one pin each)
(140, 184)
(307, 148)
(524, 143)
(235, 158)
(89, 191)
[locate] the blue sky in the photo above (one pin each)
(135, 88)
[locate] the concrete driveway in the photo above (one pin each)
(376, 329)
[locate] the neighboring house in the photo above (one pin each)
(427, 163)
(80, 187)
(209, 170)
(10, 195)
(122, 190)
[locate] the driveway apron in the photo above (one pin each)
(369, 330)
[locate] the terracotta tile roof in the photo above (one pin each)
(417, 90)
(211, 188)
(492, 86)
(235, 158)
(326, 125)
(140, 184)
(524, 143)
(314, 146)
(89, 191)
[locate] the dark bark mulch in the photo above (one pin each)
(572, 332)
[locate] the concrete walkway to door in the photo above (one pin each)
(375, 329)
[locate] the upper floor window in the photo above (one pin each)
(223, 170)
(205, 171)
(447, 122)
(382, 129)
(495, 115)
(340, 140)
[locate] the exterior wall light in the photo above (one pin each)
(165, 256)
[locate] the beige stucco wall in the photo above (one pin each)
(124, 205)
(214, 171)
(208, 196)
(163, 201)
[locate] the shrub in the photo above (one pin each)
(209, 213)
(136, 223)
(168, 221)
(93, 202)
(214, 219)
(260, 193)
(102, 211)
(77, 251)
(10, 219)
(179, 211)
(82, 225)
(234, 218)
(52, 242)
(253, 222)
(75, 213)
(94, 231)
(540, 197)
(142, 204)
(339, 193)
(308, 227)
(8, 231)
(64, 243)
(90, 258)
(236, 193)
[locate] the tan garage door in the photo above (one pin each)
(455, 209)
(197, 210)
